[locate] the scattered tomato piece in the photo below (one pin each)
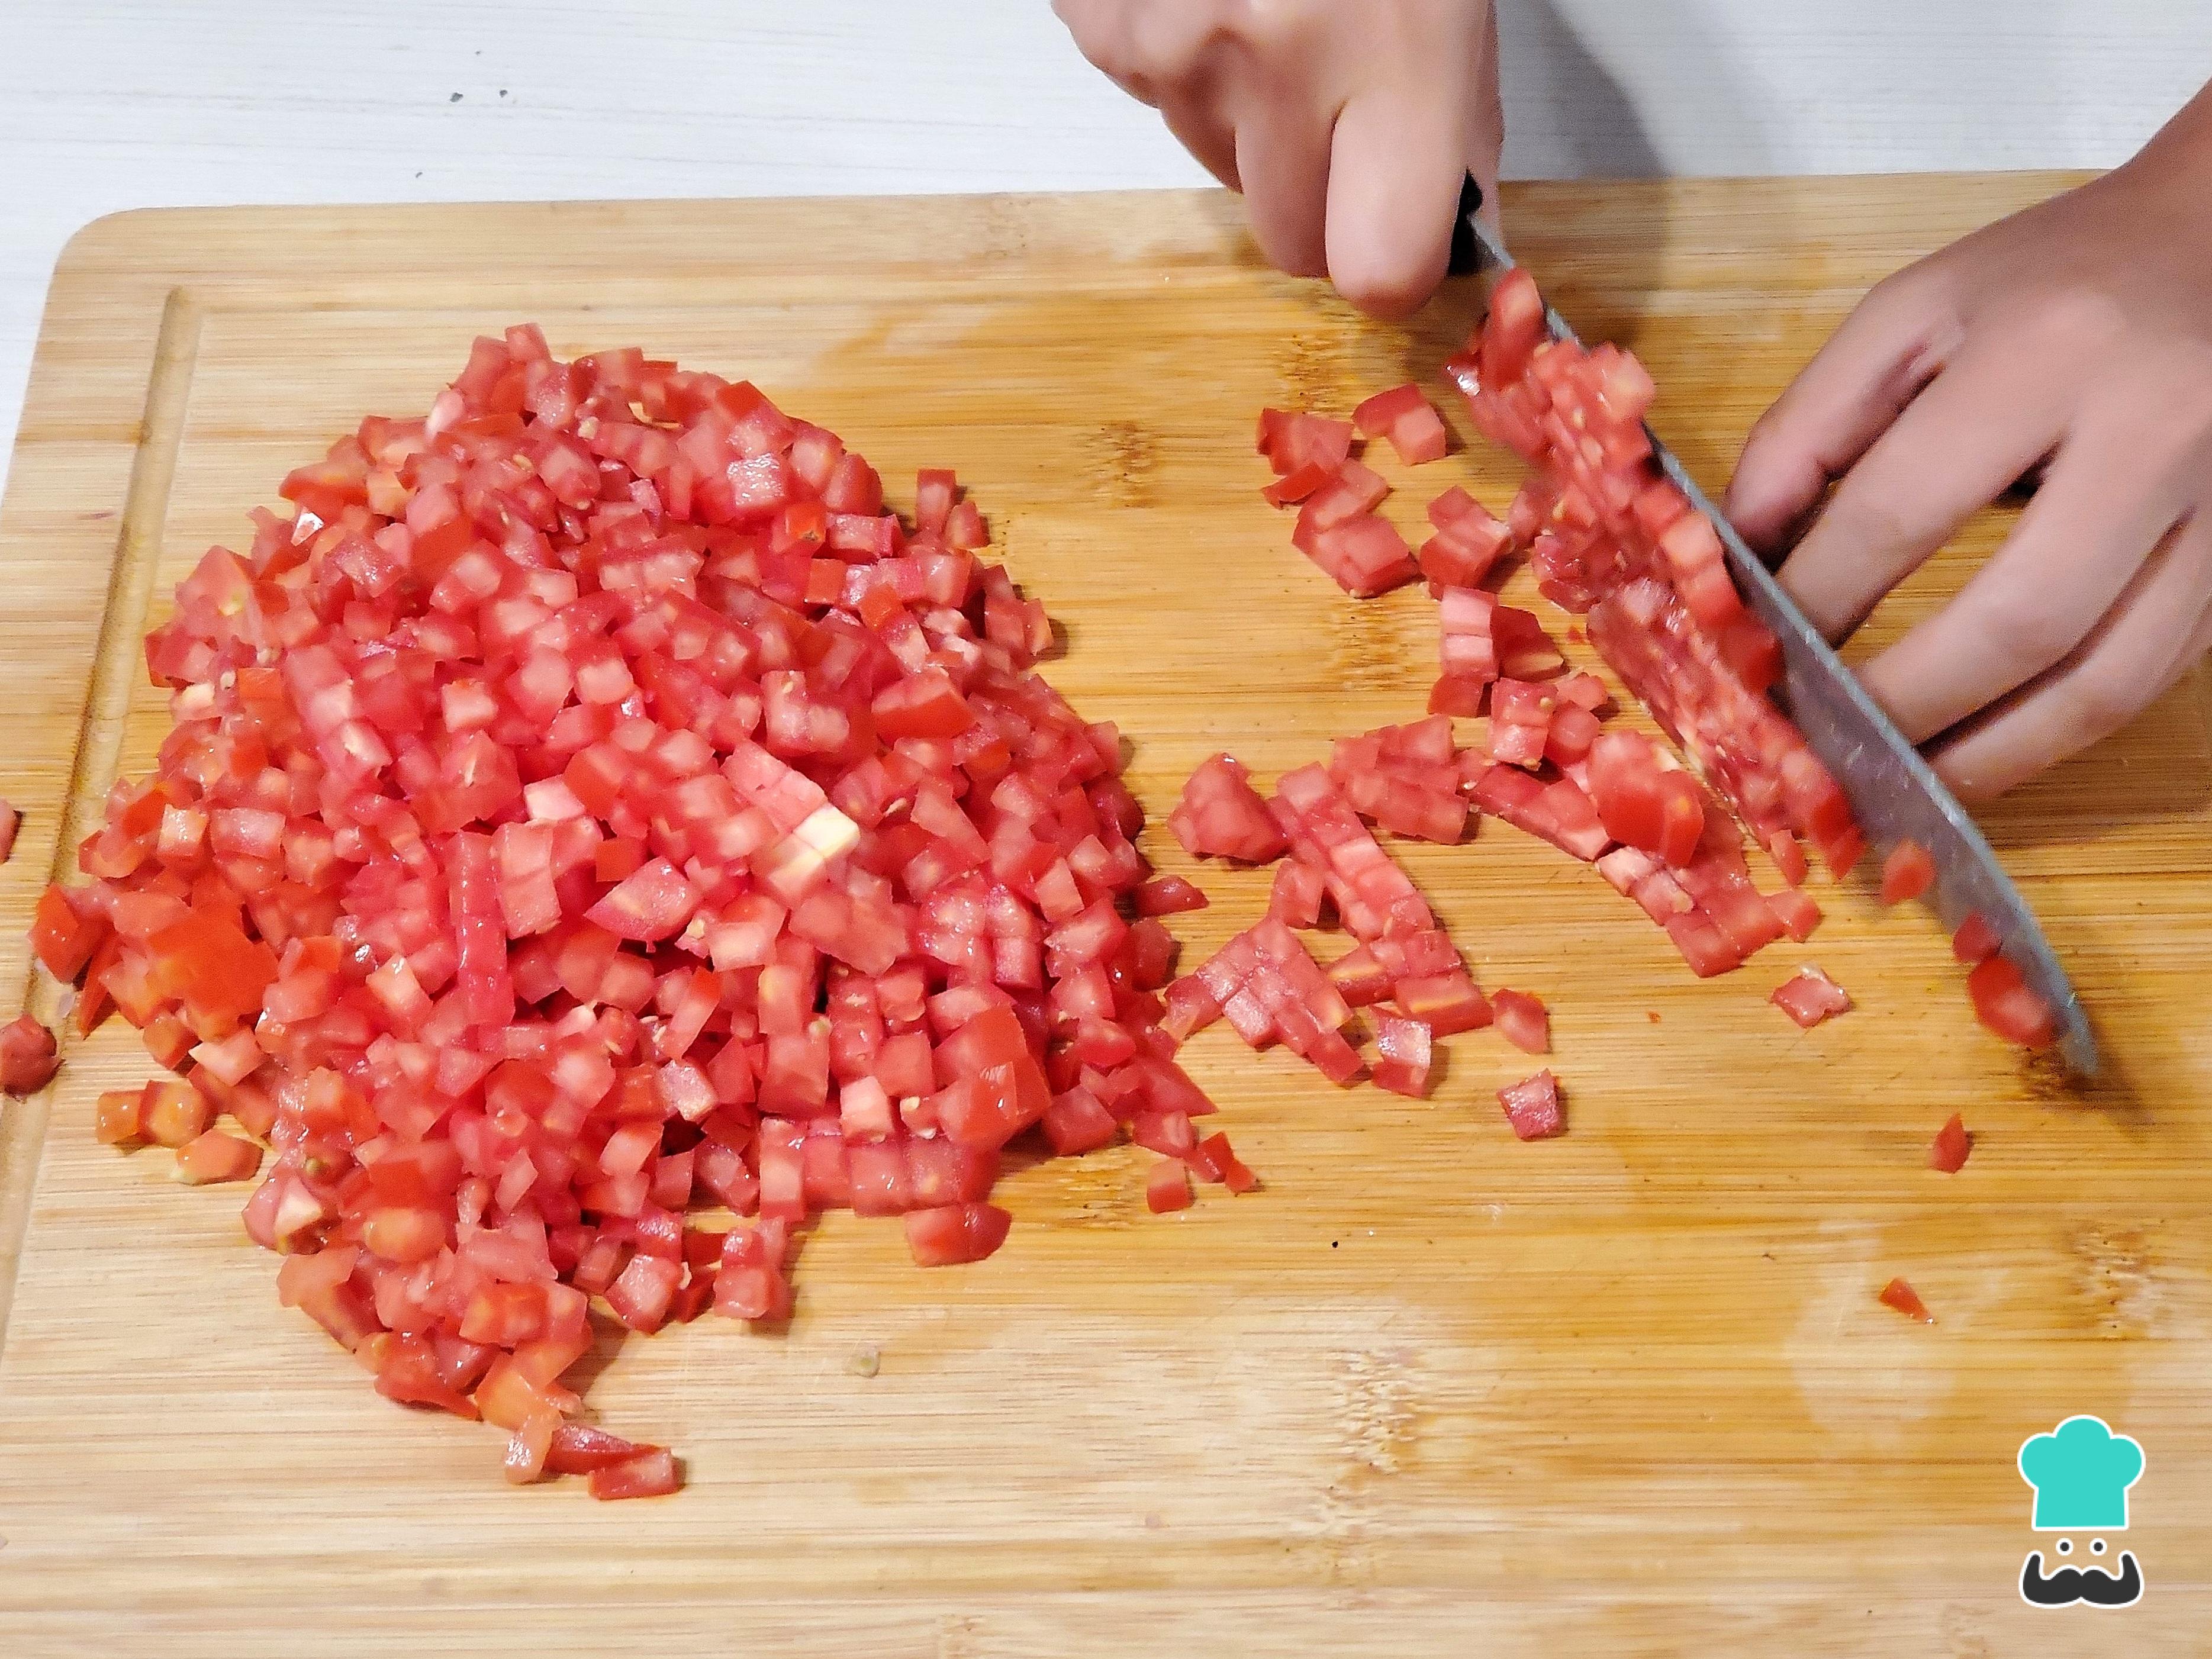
(648, 1474)
(1532, 1107)
(27, 1057)
(1168, 1187)
(1952, 1144)
(1523, 1021)
(1902, 1296)
(10, 821)
(1810, 996)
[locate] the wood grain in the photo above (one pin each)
(1430, 1390)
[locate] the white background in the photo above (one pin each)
(112, 104)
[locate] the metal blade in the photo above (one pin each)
(1893, 793)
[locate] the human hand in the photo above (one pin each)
(2074, 339)
(1348, 128)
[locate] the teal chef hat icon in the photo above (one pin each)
(2080, 1472)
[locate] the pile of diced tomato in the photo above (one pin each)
(597, 834)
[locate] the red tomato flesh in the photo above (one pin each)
(1168, 1187)
(1613, 538)
(1523, 1021)
(1532, 1107)
(1976, 941)
(1948, 1152)
(1222, 816)
(1902, 1296)
(1906, 873)
(27, 1058)
(1810, 996)
(2007, 1005)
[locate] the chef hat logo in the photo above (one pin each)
(2080, 1472)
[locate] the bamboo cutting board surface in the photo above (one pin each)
(1430, 1390)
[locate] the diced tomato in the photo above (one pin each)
(595, 806)
(952, 1233)
(1168, 1187)
(2007, 1005)
(1906, 873)
(648, 1474)
(1292, 441)
(1403, 1055)
(1167, 896)
(1902, 1296)
(1222, 816)
(214, 1156)
(1523, 1021)
(1798, 911)
(578, 1449)
(1810, 996)
(652, 903)
(1532, 1107)
(1643, 803)
(65, 936)
(1948, 1151)
(1404, 416)
(1976, 941)
(28, 1058)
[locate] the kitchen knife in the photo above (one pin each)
(1894, 793)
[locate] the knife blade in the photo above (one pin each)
(1893, 793)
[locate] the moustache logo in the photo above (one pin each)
(2093, 1585)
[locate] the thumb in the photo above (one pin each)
(1396, 164)
(1486, 139)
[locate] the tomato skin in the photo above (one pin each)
(1167, 896)
(953, 1235)
(579, 1449)
(28, 1059)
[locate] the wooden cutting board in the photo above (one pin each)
(1430, 1390)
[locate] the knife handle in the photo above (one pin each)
(1466, 256)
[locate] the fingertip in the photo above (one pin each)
(1775, 485)
(1394, 177)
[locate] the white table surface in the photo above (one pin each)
(112, 104)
